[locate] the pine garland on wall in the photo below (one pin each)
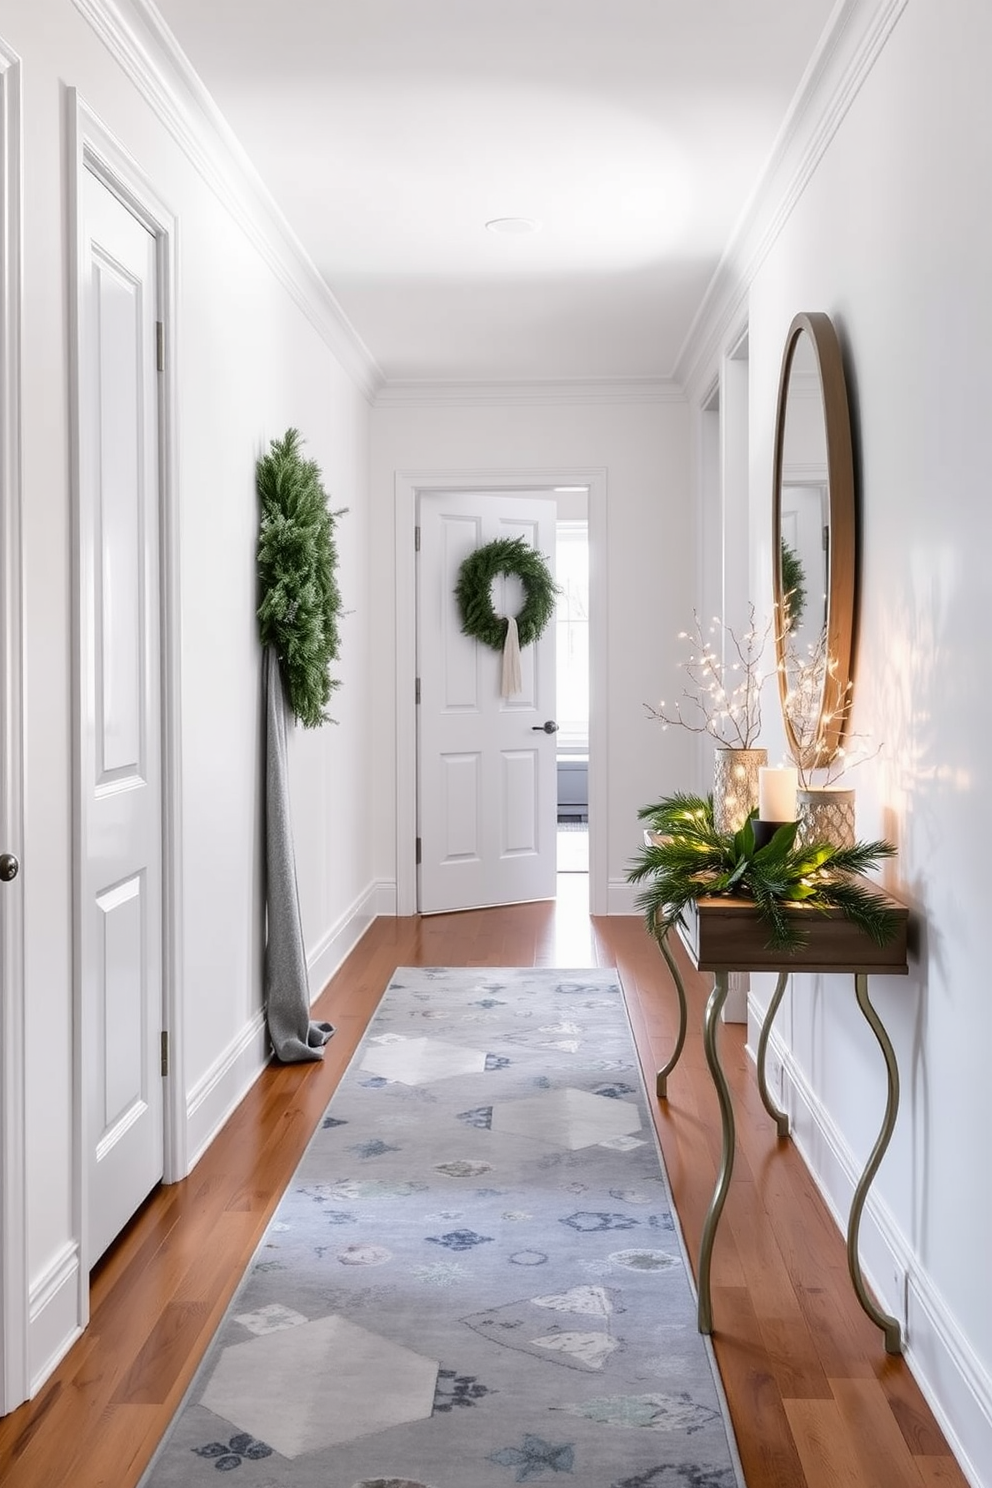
(297, 563)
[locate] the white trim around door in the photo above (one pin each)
(14, 1381)
(408, 484)
(93, 148)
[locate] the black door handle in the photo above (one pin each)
(550, 727)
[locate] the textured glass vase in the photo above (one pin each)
(825, 815)
(735, 786)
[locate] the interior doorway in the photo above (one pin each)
(587, 484)
(130, 1115)
(572, 703)
(486, 755)
(118, 871)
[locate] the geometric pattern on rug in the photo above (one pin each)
(475, 1277)
(567, 1118)
(289, 1389)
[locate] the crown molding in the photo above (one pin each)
(849, 48)
(579, 391)
(140, 42)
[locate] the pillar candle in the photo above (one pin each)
(777, 793)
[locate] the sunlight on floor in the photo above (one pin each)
(573, 939)
(573, 847)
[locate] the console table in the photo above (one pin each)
(723, 935)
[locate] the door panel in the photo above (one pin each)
(521, 801)
(486, 771)
(120, 950)
(120, 790)
(460, 785)
(119, 613)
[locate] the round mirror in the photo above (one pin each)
(813, 540)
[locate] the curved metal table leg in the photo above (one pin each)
(710, 1027)
(889, 1325)
(780, 1118)
(661, 1084)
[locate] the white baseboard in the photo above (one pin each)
(620, 896)
(386, 898)
(235, 1070)
(225, 1083)
(955, 1383)
(342, 937)
(53, 1316)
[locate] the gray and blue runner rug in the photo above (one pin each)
(475, 1278)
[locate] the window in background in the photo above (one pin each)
(572, 623)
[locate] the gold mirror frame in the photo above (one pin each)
(842, 550)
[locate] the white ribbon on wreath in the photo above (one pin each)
(511, 683)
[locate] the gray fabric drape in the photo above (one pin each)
(295, 1037)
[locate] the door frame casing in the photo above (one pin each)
(93, 148)
(408, 485)
(14, 1307)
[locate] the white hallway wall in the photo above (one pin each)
(642, 448)
(892, 236)
(251, 364)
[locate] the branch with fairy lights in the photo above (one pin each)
(724, 695)
(811, 727)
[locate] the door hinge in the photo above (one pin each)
(165, 1053)
(416, 539)
(416, 690)
(418, 852)
(159, 346)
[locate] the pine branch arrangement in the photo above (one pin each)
(297, 561)
(693, 861)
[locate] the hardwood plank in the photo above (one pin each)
(905, 1400)
(846, 1340)
(874, 1433)
(825, 1450)
(939, 1472)
(781, 1323)
(761, 1426)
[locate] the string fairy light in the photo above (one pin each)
(723, 697)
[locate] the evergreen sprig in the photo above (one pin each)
(793, 587)
(297, 561)
(692, 861)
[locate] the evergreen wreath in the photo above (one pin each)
(297, 559)
(474, 592)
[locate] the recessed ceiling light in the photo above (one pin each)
(513, 225)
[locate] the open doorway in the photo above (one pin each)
(591, 498)
(572, 701)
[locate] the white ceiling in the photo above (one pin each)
(390, 131)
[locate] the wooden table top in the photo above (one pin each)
(727, 934)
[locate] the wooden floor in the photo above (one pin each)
(815, 1400)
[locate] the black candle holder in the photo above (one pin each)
(764, 831)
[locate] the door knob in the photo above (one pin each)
(9, 867)
(550, 727)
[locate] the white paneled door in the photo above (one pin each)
(119, 865)
(487, 770)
